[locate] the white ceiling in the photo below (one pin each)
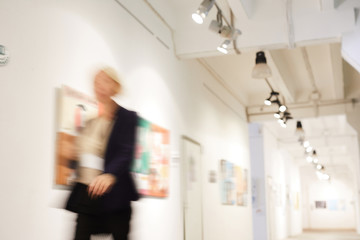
(302, 40)
(313, 50)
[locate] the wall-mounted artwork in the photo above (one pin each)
(336, 204)
(152, 156)
(74, 109)
(241, 176)
(320, 204)
(233, 184)
(152, 152)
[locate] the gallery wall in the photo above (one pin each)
(328, 204)
(283, 189)
(52, 43)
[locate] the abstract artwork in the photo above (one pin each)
(152, 155)
(74, 109)
(233, 184)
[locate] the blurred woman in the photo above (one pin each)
(104, 187)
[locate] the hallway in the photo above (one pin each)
(327, 235)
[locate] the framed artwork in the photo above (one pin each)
(233, 184)
(74, 109)
(152, 152)
(320, 204)
(152, 156)
(241, 176)
(336, 205)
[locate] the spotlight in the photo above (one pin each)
(277, 115)
(306, 144)
(322, 176)
(325, 177)
(320, 167)
(309, 149)
(300, 132)
(216, 25)
(299, 128)
(223, 47)
(282, 108)
(282, 122)
(261, 69)
(203, 11)
(314, 153)
(309, 159)
(268, 101)
(315, 160)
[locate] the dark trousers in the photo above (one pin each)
(117, 224)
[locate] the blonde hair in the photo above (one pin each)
(111, 73)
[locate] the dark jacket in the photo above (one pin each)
(118, 158)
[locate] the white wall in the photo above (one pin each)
(58, 42)
(283, 184)
(336, 189)
(353, 119)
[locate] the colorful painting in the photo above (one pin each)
(74, 109)
(336, 205)
(151, 163)
(234, 184)
(241, 176)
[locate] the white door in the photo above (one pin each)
(192, 189)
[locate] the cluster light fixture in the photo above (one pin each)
(310, 153)
(262, 71)
(226, 31)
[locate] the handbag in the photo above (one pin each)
(79, 201)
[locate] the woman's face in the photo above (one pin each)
(105, 87)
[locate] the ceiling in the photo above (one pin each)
(312, 48)
(305, 43)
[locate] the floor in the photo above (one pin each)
(327, 235)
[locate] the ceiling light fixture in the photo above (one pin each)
(282, 108)
(261, 69)
(322, 176)
(300, 132)
(268, 101)
(277, 115)
(320, 167)
(202, 12)
(309, 149)
(216, 25)
(223, 47)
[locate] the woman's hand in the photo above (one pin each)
(101, 184)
